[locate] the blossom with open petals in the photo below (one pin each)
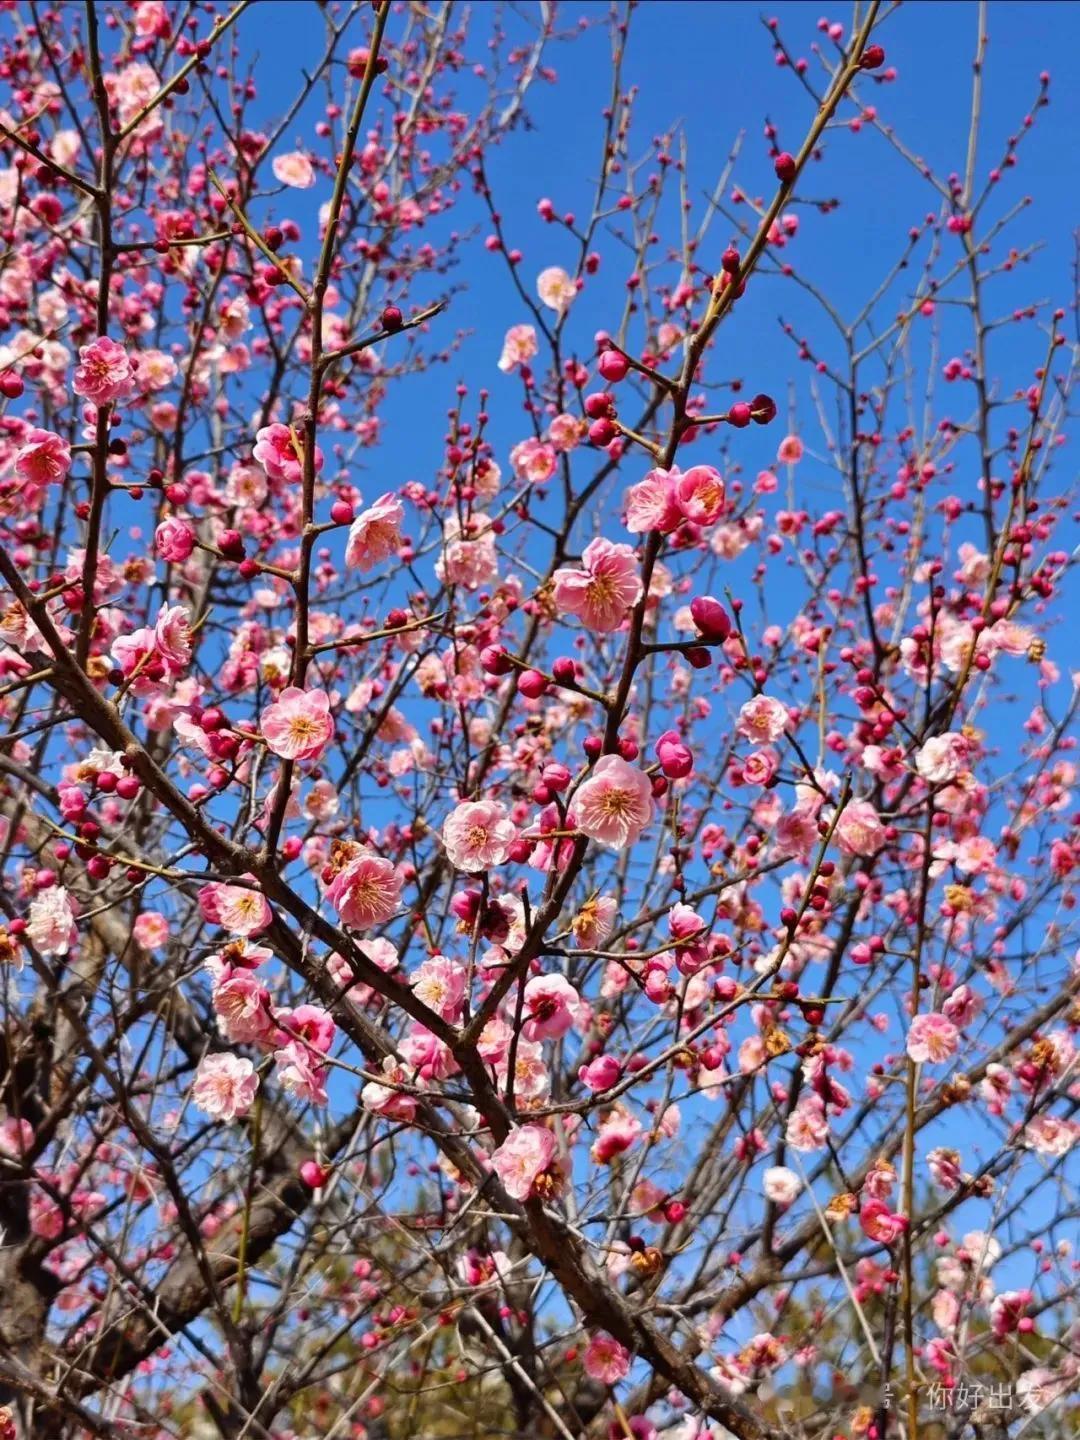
(606, 1360)
(225, 1086)
(859, 829)
(699, 492)
(105, 372)
(605, 589)
(522, 1158)
(478, 835)
(519, 347)
(943, 757)
(762, 719)
(375, 534)
(556, 288)
(548, 1007)
(614, 804)
(652, 504)
(780, 1185)
(298, 725)
(366, 892)
(51, 922)
(279, 450)
(44, 459)
(240, 909)
(932, 1038)
(294, 169)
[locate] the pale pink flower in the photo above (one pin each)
(45, 458)
(762, 719)
(1052, 1134)
(468, 558)
(279, 450)
(606, 1360)
(614, 804)
(298, 725)
(550, 1002)
(790, 450)
(174, 539)
(859, 829)
(440, 984)
(242, 1006)
(478, 834)
(366, 892)
(594, 920)
(236, 908)
(294, 169)
(760, 767)
(16, 1137)
(807, 1128)
(225, 1086)
(522, 1158)
(105, 372)
(300, 1073)
(51, 921)
(172, 635)
(151, 930)
(152, 18)
(932, 1038)
(943, 757)
(556, 288)
(519, 347)
(606, 588)
(384, 1098)
(700, 494)
(375, 534)
(781, 1185)
(652, 503)
(533, 460)
(565, 432)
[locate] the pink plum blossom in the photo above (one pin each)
(652, 504)
(366, 892)
(859, 829)
(294, 169)
(298, 725)
(548, 1007)
(604, 590)
(174, 539)
(556, 289)
(699, 493)
(239, 909)
(519, 347)
(375, 534)
(932, 1038)
(943, 757)
(105, 372)
(614, 804)
(279, 450)
(225, 1086)
(51, 922)
(762, 719)
(606, 1360)
(44, 459)
(478, 835)
(522, 1158)
(790, 450)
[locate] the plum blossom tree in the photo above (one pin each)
(581, 944)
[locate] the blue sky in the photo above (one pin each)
(709, 67)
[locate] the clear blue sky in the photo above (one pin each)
(710, 67)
